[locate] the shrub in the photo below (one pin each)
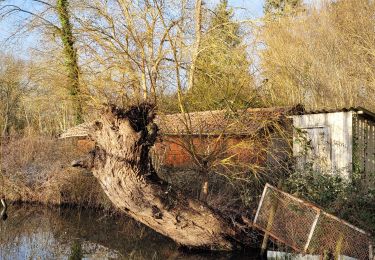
(320, 188)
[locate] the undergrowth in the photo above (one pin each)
(350, 198)
(37, 169)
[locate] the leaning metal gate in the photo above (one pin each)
(307, 228)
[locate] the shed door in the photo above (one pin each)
(317, 148)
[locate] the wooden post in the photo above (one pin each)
(312, 231)
(271, 219)
(3, 213)
(204, 191)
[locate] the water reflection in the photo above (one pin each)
(35, 232)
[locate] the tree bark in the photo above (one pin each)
(198, 36)
(123, 167)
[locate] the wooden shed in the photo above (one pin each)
(340, 140)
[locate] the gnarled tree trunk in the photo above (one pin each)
(123, 167)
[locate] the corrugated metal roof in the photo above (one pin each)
(358, 110)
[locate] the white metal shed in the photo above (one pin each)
(339, 140)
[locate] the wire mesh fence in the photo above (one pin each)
(308, 229)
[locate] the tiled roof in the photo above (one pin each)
(80, 130)
(217, 122)
(242, 122)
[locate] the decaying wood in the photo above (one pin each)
(123, 167)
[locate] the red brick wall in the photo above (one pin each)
(174, 154)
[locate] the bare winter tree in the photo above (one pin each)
(13, 85)
(322, 57)
(44, 18)
(131, 42)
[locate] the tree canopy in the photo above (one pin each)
(223, 76)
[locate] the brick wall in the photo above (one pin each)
(172, 151)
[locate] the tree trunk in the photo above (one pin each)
(198, 36)
(71, 58)
(123, 167)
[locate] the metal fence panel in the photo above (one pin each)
(306, 228)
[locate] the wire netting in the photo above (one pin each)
(308, 229)
(334, 234)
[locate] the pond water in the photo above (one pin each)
(36, 232)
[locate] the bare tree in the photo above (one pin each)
(45, 18)
(13, 86)
(132, 41)
(197, 44)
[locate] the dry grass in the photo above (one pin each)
(37, 169)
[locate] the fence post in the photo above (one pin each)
(271, 219)
(312, 231)
(261, 202)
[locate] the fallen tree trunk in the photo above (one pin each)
(123, 167)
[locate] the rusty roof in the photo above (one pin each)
(242, 122)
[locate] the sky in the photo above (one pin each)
(244, 9)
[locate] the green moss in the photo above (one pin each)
(71, 58)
